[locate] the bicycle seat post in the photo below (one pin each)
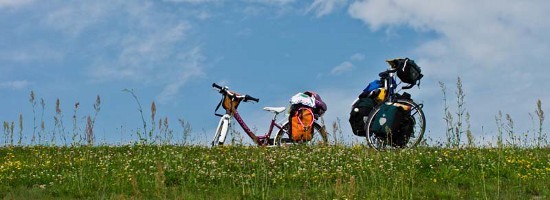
(275, 110)
(275, 115)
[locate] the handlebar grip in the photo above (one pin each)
(216, 86)
(250, 98)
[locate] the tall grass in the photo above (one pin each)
(540, 114)
(32, 100)
(57, 136)
(458, 127)
(42, 131)
(455, 122)
(337, 133)
(456, 118)
(140, 134)
(156, 167)
(159, 133)
(76, 129)
(186, 131)
(297, 172)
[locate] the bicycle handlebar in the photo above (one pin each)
(214, 85)
(250, 98)
(224, 90)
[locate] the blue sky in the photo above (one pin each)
(171, 51)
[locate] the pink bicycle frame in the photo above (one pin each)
(261, 139)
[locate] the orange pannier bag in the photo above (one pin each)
(301, 129)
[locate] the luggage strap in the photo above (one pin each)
(300, 120)
(218, 107)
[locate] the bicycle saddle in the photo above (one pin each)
(275, 109)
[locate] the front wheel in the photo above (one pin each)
(319, 136)
(411, 134)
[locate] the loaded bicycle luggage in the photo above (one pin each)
(393, 123)
(371, 96)
(386, 117)
(305, 113)
(305, 108)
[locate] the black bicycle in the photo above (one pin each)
(413, 123)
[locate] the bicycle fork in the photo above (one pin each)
(221, 131)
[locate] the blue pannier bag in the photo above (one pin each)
(373, 86)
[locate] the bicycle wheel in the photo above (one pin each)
(381, 142)
(319, 136)
(221, 131)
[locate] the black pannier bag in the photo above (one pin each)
(394, 123)
(407, 70)
(359, 112)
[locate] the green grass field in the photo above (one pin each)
(298, 172)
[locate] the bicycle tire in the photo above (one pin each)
(320, 136)
(416, 137)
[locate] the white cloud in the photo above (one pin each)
(189, 67)
(14, 3)
(244, 32)
(343, 67)
(480, 32)
(30, 54)
(193, 1)
(325, 7)
(154, 53)
(347, 65)
(253, 10)
(74, 18)
(140, 50)
(357, 57)
(499, 51)
(203, 15)
(273, 2)
(15, 85)
(154, 58)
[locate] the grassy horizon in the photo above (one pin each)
(297, 172)
(68, 162)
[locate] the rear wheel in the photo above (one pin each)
(319, 136)
(381, 142)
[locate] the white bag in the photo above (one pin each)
(303, 99)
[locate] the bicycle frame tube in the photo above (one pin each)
(390, 84)
(259, 140)
(273, 124)
(245, 127)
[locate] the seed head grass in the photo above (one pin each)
(302, 171)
